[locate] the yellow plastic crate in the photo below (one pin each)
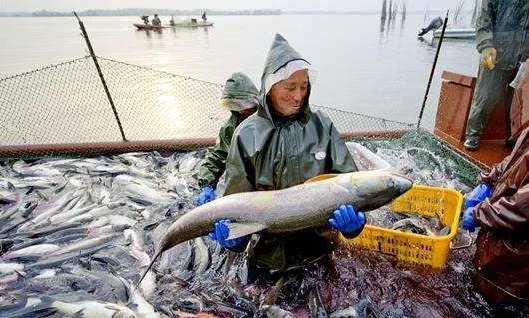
(410, 247)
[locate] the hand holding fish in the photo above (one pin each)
(221, 232)
(348, 221)
(478, 195)
(468, 221)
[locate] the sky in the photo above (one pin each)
(346, 5)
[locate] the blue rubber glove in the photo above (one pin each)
(206, 195)
(347, 220)
(478, 195)
(221, 232)
(468, 222)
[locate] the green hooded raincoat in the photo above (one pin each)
(239, 87)
(269, 152)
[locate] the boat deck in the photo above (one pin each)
(489, 153)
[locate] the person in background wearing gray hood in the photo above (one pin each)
(282, 145)
(240, 97)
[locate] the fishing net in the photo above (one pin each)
(427, 159)
(67, 104)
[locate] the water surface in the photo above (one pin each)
(363, 66)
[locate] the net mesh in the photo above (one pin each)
(66, 103)
(57, 104)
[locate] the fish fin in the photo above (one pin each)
(321, 177)
(80, 313)
(21, 273)
(444, 231)
(156, 255)
(242, 229)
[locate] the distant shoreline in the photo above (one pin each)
(139, 12)
(197, 12)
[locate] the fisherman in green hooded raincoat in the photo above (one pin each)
(240, 97)
(282, 145)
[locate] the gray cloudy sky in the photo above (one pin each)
(363, 5)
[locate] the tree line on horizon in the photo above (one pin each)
(140, 11)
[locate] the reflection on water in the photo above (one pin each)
(365, 64)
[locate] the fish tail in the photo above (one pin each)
(156, 255)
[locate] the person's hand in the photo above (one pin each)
(221, 232)
(206, 195)
(347, 220)
(478, 195)
(488, 57)
(468, 221)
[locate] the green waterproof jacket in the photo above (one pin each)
(269, 152)
(504, 25)
(214, 163)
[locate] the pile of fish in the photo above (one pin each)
(76, 234)
(406, 222)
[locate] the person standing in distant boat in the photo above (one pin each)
(204, 18)
(156, 21)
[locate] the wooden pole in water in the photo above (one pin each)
(383, 15)
(94, 58)
(433, 70)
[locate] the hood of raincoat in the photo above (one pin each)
(239, 93)
(279, 55)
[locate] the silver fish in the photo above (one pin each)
(297, 208)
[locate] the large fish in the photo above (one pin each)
(297, 208)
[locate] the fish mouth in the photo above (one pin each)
(402, 183)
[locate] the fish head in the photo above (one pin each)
(372, 189)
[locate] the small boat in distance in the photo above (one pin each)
(468, 33)
(190, 23)
(450, 33)
(154, 25)
(186, 23)
(149, 27)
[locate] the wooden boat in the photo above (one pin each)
(453, 110)
(191, 23)
(148, 27)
